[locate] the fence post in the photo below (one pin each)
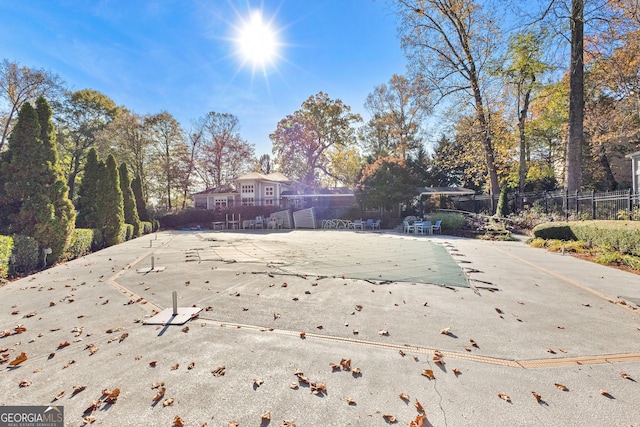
(630, 203)
(577, 206)
(593, 204)
(546, 203)
(566, 204)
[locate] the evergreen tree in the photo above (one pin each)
(141, 205)
(502, 209)
(87, 204)
(34, 196)
(53, 231)
(110, 212)
(130, 210)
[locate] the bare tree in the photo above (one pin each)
(21, 84)
(399, 110)
(222, 153)
(449, 41)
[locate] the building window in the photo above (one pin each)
(247, 188)
(268, 202)
(247, 201)
(268, 191)
(220, 203)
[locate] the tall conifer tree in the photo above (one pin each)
(87, 204)
(110, 204)
(130, 210)
(34, 194)
(141, 205)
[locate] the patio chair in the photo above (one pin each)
(376, 225)
(437, 227)
(369, 224)
(407, 228)
(424, 228)
(259, 222)
(358, 224)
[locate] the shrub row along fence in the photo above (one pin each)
(621, 204)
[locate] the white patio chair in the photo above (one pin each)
(358, 224)
(437, 227)
(408, 228)
(259, 223)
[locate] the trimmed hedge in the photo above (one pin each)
(126, 233)
(621, 236)
(25, 256)
(6, 246)
(451, 221)
(81, 243)
(146, 226)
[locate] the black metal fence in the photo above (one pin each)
(621, 204)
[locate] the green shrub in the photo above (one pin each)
(25, 256)
(126, 232)
(451, 221)
(6, 245)
(156, 225)
(621, 236)
(81, 243)
(147, 227)
(554, 230)
(97, 242)
(503, 204)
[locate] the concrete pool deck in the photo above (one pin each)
(529, 320)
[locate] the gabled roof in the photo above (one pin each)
(223, 189)
(448, 191)
(275, 177)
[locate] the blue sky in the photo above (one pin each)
(182, 55)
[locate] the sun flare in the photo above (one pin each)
(257, 42)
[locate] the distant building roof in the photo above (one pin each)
(223, 189)
(447, 191)
(275, 176)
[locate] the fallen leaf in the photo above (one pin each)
(257, 383)
(445, 331)
(334, 367)
(537, 396)
(358, 307)
(159, 394)
(473, 343)
(18, 360)
(185, 329)
(156, 385)
(178, 422)
(89, 419)
(288, 423)
(418, 422)
(266, 416)
(153, 363)
(303, 335)
(175, 367)
(561, 387)
(383, 332)
(350, 401)
(499, 311)
(293, 386)
(438, 360)
(456, 371)
(77, 389)
(318, 388)
(94, 406)
(346, 364)
(389, 418)
(355, 372)
(25, 383)
(92, 349)
(63, 345)
(191, 365)
(276, 316)
(404, 397)
(402, 353)
(504, 397)
(58, 396)
(605, 393)
(219, 371)
(123, 336)
(626, 376)
(550, 351)
(168, 402)
(419, 406)
(113, 396)
(429, 374)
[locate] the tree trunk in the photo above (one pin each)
(487, 143)
(523, 166)
(573, 180)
